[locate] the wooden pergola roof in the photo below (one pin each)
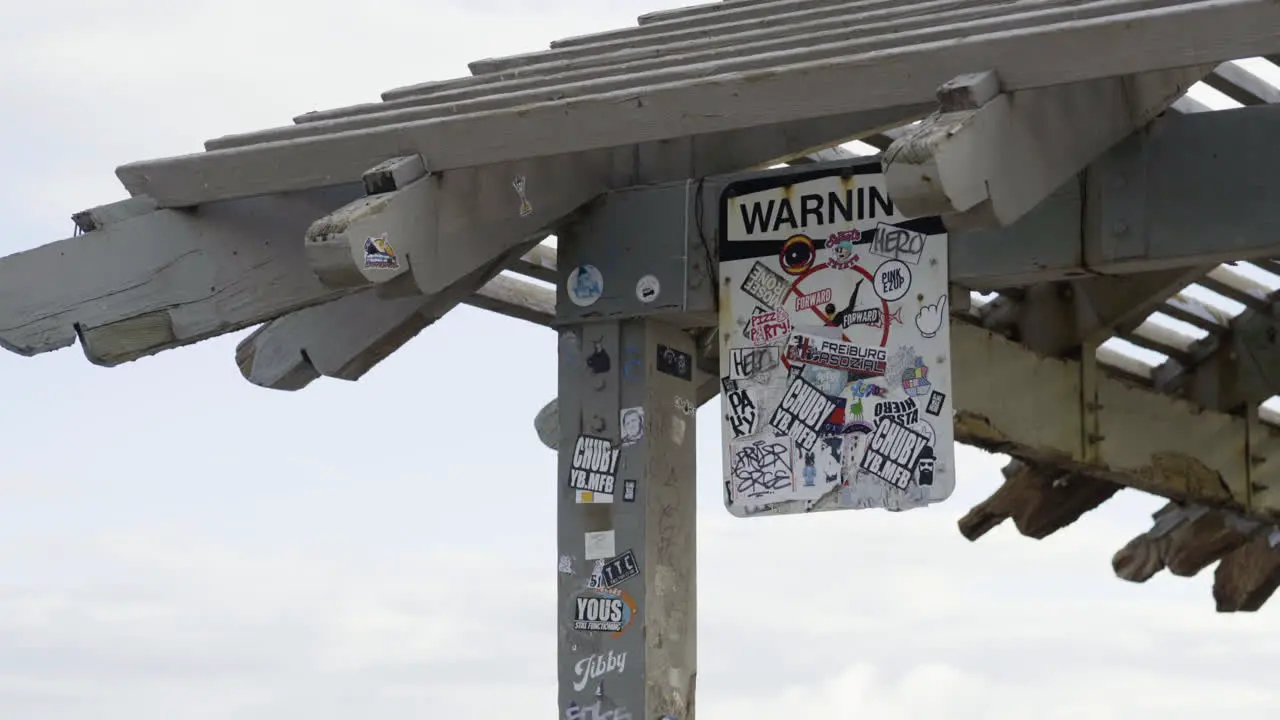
(707, 89)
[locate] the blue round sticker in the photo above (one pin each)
(585, 285)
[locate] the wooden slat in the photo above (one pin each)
(700, 9)
(166, 278)
(755, 51)
(655, 24)
(785, 28)
(1040, 500)
(1189, 310)
(1233, 285)
(1073, 51)
(1125, 366)
(1241, 85)
(1161, 339)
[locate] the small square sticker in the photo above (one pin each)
(599, 545)
(936, 401)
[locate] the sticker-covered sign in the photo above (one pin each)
(835, 347)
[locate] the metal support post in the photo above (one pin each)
(625, 518)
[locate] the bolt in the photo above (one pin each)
(1119, 228)
(597, 423)
(598, 383)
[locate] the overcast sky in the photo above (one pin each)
(176, 543)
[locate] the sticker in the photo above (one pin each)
(801, 413)
(797, 255)
(628, 491)
(904, 412)
(930, 318)
(892, 453)
(742, 414)
(915, 378)
(685, 406)
(760, 470)
(815, 299)
(925, 467)
(765, 285)
(867, 317)
(893, 280)
(647, 289)
(824, 352)
(585, 285)
(599, 545)
(598, 361)
(594, 667)
(745, 363)
(767, 326)
(897, 243)
(728, 384)
(526, 209)
(566, 565)
(675, 363)
(597, 711)
(379, 254)
(620, 569)
(677, 430)
(588, 497)
(593, 467)
(631, 420)
(603, 610)
(843, 256)
(595, 581)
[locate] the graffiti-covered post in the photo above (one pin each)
(626, 474)
(626, 521)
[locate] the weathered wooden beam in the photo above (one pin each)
(724, 97)
(993, 156)
(131, 284)
(1247, 577)
(1145, 440)
(1185, 539)
(301, 347)
(355, 245)
(1142, 438)
(165, 278)
(1040, 500)
(1055, 320)
(346, 338)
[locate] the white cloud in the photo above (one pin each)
(177, 543)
